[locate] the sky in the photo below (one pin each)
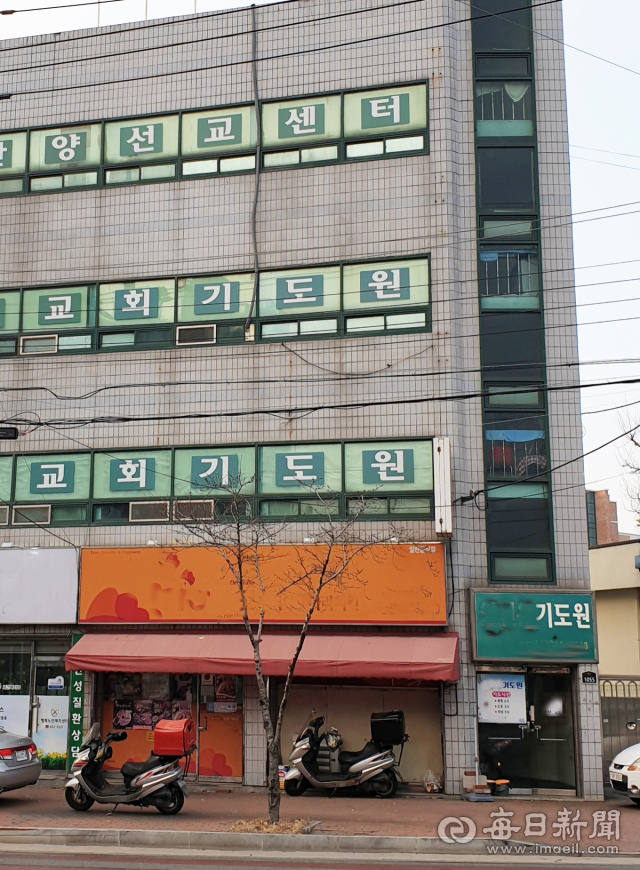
(604, 135)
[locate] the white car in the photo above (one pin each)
(624, 772)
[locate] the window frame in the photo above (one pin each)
(254, 499)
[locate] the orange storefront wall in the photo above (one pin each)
(400, 584)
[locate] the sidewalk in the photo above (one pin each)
(411, 816)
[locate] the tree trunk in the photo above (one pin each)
(273, 784)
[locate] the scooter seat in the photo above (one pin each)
(132, 768)
(353, 757)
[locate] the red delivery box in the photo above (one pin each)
(174, 738)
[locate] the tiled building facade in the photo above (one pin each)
(369, 208)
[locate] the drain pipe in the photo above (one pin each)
(254, 210)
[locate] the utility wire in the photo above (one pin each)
(284, 55)
(307, 409)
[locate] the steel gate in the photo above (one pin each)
(620, 710)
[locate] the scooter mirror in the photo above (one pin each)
(118, 738)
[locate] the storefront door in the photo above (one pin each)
(220, 728)
(50, 711)
(15, 687)
(525, 730)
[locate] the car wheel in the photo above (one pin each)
(78, 799)
(177, 802)
(296, 787)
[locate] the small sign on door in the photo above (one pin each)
(55, 683)
(502, 698)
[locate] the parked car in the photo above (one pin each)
(624, 772)
(19, 762)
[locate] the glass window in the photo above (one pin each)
(504, 109)
(512, 66)
(509, 228)
(15, 669)
(592, 526)
(132, 474)
(389, 284)
(390, 110)
(141, 139)
(514, 395)
(389, 466)
(299, 290)
(518, 517)
(365, 149)
(518, 569)
(214, 470)
(509, 279)
(513, 343)
(139, 301)
(221, 297)
(506, 178)
(9, 311)
(166, 170)
(63, 147)
(49, 478)
(506, 32)
(289, 468)
(220, 130)
(515, 445)
(57, 309)
(6, 476)
(312, 119)
(13, 153)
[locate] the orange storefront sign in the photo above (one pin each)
(400, 584)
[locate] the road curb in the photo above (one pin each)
(224, 841)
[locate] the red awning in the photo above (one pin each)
(382, 656)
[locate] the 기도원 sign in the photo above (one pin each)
(534, 626)
(502, 698)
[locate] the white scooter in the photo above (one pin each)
(317, 760)
(157, 782)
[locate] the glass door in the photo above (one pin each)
(50, 711)
(525, 730)
(15, 687)
(220, 728)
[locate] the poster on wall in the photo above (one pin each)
(50, 731)
(502, 698)
(14, 713)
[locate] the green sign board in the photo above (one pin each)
(533, 626)
(76, 705)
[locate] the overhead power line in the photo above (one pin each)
(284, 55)
(72, 422)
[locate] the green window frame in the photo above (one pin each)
(212, 141)
(118, 486)
(325, 301)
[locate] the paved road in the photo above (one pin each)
(103, 862)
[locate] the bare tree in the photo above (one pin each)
(249, 549)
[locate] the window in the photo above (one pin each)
(509, 279)
(497, 29)
(518, 522)
(512, 344)
(504, 109)
(372, 478)
(497, 66)
(513, 395)
(592, 526)
(506, 179)
(515, 445)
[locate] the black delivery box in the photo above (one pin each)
(388, 728)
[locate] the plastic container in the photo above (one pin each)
(174, 738)
(387, 729)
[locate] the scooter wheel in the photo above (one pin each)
(177, 802)
(296, 787)
(386, 785)
(78, 799)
